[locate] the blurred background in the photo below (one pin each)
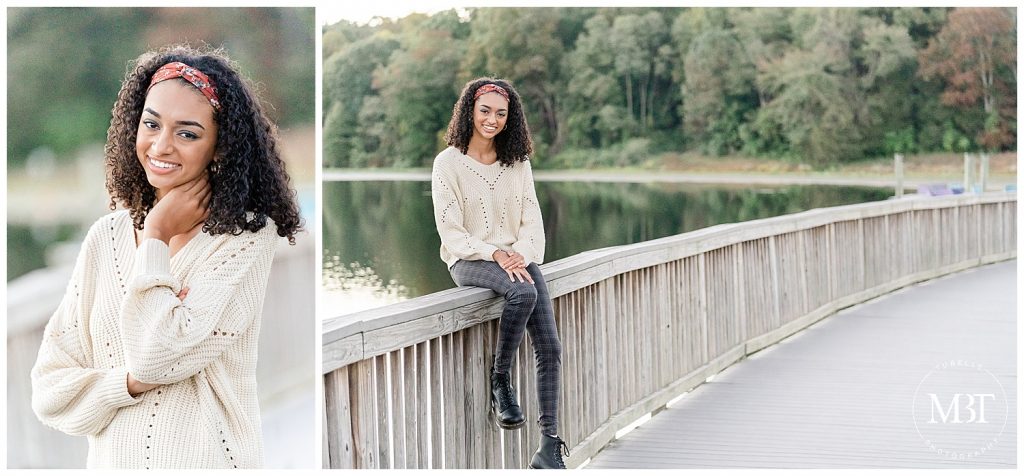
(649, 122)
(65, 67)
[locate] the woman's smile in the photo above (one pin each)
(161, 167)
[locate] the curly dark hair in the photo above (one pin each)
(250, 175)
(513, 143)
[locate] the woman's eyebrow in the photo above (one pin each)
(183, 123)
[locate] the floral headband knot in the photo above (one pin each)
(197, 78)
(491, 88)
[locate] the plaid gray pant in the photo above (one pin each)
(527, 308)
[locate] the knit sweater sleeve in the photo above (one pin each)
(68, 392)
(448, 216)
(530, 242)
(167, 339)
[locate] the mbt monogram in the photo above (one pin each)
(954, 408)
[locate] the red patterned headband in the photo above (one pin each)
(491, 88)
(197, 78)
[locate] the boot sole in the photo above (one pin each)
(503, 425)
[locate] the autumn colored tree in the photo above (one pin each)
(975, 54)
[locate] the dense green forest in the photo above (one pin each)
(613, 86)
(65, 65)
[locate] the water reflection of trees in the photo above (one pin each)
(389, 226)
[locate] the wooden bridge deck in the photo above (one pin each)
(840, 393)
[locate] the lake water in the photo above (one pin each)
(381, 246)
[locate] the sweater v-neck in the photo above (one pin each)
(135, 239)
(477, 162)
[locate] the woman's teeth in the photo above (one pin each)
(162, 165)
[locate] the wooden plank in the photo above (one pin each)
(570, 372)
(362, 414)
(861, 260)
(409, 397)
(476, 409)
(383, 422)
(423, 404)
(460, 415)
(397, 410)
(832, 265)
(747, 284)
(614, 304)
(462, 388)
(326, 440)
(491, 432)
(452, 405)
(702, 305)
(437, 383)
(339, 419)
(645, 336)
(583, 363)
(584, 320)
(342, 352)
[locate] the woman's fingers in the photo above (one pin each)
(510, 263)
(523, 275)
(510, 278)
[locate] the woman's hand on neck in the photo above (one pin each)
(178, 211)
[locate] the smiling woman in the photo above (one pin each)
(152, 352)
(492, 236)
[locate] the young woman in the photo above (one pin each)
(152, 352)
(487, 214)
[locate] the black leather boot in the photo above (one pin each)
(507, 413)
(549, 455)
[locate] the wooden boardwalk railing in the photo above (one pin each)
(405, 386)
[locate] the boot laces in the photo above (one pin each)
(505, 396)
(560, 449)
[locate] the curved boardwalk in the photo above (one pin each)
(840, 393)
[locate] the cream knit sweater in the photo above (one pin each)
(482, 208)
(121, 314)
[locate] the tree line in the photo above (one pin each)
(613, 86)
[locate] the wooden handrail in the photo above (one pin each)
(404, 385)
